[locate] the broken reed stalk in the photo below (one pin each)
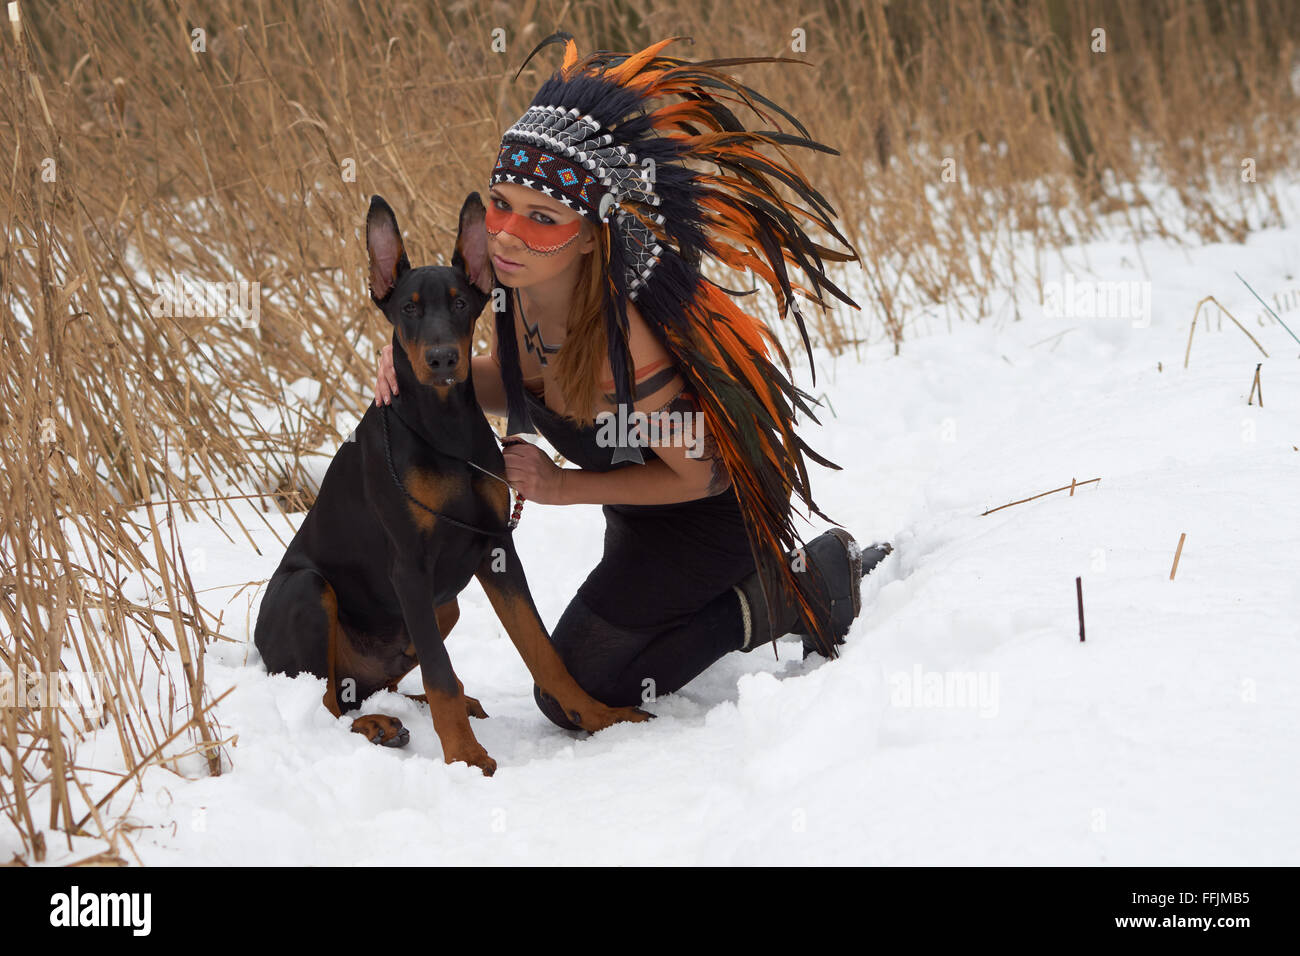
(1191, 332)
(1070, 487)
(1078, 587)
(1177, 554)
(1256, 385)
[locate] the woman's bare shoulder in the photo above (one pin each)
(648, 353)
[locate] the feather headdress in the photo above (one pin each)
(604, 136)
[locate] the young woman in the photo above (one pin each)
(615, 319)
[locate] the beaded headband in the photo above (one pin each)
(564, 155)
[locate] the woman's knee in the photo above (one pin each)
(549, 706)
(595, 653)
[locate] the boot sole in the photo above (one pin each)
(854, 551)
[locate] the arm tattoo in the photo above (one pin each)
(680, 422)
(720, 478)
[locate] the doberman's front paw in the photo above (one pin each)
(475, 757)
(385, 731)
(598, 717)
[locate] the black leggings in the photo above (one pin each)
(622, 666)
(659, 607)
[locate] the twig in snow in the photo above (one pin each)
(1078, 587)
(1177, 554)
(1257, 384)
(1071, 486)
(1210, 298)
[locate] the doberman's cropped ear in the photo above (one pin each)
(387, 254)
(471, 255)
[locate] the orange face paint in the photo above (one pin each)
(539, 237)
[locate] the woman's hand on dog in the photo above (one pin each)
(533, 473)
(386, 384)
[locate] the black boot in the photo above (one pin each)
(867, 559)
(836, 560)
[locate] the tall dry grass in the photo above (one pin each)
(135, 148)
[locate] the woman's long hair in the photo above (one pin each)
(581, 358)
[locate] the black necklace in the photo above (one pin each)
(531, 332)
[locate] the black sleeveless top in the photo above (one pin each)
(662, 563)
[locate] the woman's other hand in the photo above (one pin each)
(534, 474)
(386, 385)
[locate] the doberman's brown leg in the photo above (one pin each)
(472, 707)
(377, 728)
(447, 614)
(450, 714)
(442, 689)
(507, 589)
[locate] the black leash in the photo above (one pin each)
(519, 499)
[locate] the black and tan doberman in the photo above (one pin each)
(368, 587)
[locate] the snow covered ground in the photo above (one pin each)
(965, 722)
